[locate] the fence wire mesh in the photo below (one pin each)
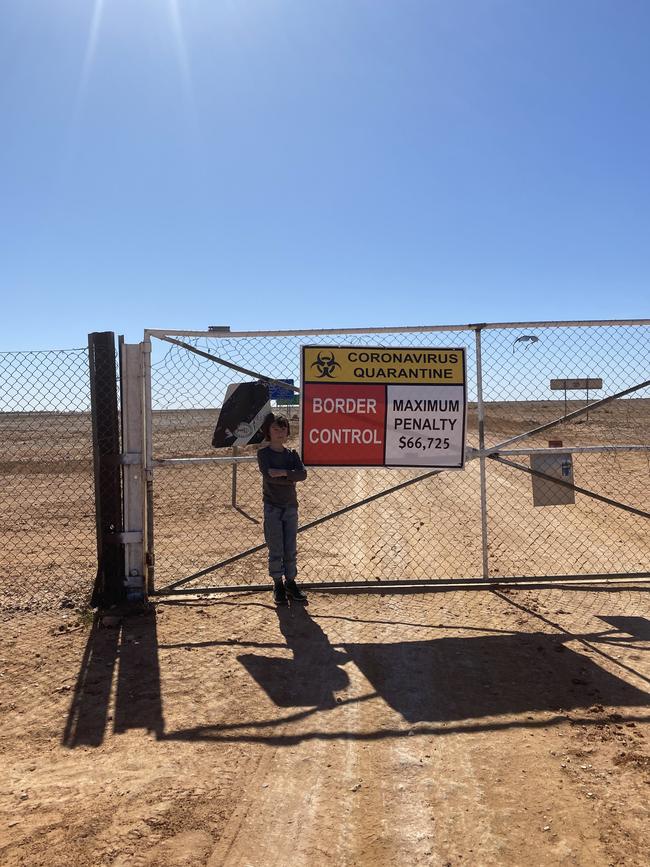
(588, 536)
(48, 554)
(209, 513)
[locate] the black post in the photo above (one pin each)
(109, 583)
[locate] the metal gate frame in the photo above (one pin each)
(139, 499)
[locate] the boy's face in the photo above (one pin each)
(278, 434)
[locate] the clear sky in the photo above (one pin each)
(293, 163)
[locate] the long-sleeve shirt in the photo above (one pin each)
(280, 491)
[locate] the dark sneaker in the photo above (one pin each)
(279, 594)
(294, 592)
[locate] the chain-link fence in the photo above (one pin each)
(365, 524)
(47, 510)
(369, 524)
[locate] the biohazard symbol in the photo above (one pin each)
(326, 365)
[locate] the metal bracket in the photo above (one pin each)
(124, 459)
(131, 458)
(130, 538)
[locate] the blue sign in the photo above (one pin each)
(276, 392)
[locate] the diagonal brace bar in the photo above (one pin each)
(229, 364)
(302, 529)
(564, 484)
(578, 412)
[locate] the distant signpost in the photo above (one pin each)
(587, 384)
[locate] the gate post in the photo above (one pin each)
(147, 449)
(131, 375)
(109, 587)
(481, 444)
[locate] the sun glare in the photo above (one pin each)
(91, 48)
(180, 48)
(178, 41)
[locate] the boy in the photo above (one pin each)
(281, 468)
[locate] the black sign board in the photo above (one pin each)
(242, 414)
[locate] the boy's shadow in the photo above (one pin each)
(312, 677)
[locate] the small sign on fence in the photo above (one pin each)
(383, 406)
(559, 465)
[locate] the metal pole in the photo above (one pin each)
(481, 444)
(235, 452)
(230, 365)
(147, 430)
(109, 586)
(608, 500)
(132, 471)
(304, 527)
(575, 414)
(398, 329)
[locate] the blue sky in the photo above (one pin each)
(180, 163)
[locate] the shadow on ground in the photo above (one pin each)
(128, 650)
(468, 681)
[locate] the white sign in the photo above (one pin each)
(423, 421)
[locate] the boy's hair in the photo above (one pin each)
(275, 418)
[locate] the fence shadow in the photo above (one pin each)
(129, 652)
(637, 627)
(435, 681)
(469, 681)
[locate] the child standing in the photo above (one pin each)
(281, 468)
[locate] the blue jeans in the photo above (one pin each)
(280, 529)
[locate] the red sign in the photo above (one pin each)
(343, 426)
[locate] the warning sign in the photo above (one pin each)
(373, 406)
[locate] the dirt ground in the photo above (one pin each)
(503, 726)
(493, 726)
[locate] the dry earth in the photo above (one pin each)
(491, 727)
(496, 726)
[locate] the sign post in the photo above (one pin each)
(576, 385)
(383, 406)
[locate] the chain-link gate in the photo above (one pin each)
(404, 525)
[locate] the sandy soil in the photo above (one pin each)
(497, 727)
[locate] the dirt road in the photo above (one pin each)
(498, 727)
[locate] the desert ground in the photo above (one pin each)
(437, 725)
(506, 726)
